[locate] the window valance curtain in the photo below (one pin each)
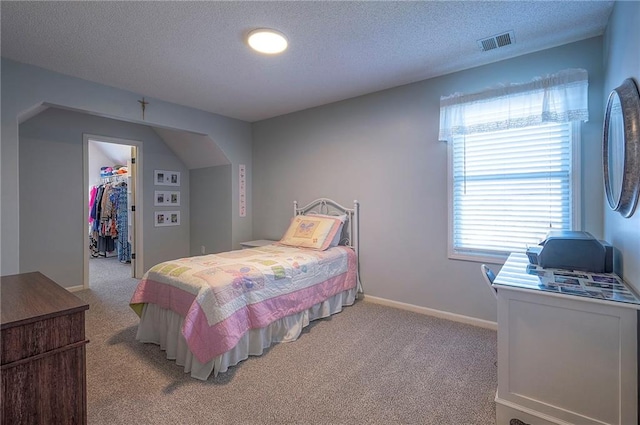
(560, 97)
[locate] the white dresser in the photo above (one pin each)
(567, 346)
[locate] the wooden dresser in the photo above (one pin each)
(42, 352)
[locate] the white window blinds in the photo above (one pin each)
(511, 167)
(510, 188)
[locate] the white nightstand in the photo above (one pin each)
(256, 243)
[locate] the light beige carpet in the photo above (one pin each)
(369, 364)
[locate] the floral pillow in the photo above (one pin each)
(312, 231)
(338, 236)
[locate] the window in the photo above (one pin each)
(510, 187)
(512, 165)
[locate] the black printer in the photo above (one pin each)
(572, 250)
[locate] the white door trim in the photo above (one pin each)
(139, 242)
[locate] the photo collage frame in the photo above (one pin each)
(166, 198)
(166, 218)
(166, 178)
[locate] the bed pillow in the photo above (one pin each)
(311, 231)
(338, 236)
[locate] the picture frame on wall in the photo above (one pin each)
(166, 178)
(166, 218)
(166, 198)
(242, 187)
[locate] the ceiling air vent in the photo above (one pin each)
(496, 41)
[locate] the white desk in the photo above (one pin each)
(567, 346)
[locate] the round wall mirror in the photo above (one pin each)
(621, 148)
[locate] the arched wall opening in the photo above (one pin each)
(53, 161)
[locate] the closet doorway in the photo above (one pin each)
(113, 207)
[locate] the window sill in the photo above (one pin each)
(479, 257)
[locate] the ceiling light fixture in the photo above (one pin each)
(267, 41)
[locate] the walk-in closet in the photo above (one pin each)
(110, 222)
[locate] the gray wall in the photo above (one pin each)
(622, 60)
(210, 196)
(26, 88)
(52, 223)
(382, 149)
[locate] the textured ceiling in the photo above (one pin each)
(194, 54)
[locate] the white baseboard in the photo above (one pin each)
(506, 410)
(431, 312)
(75, 288)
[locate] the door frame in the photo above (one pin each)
(138, 233)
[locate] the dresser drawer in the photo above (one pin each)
(46, 389)
(39, 337)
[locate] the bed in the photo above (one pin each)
(210, 312)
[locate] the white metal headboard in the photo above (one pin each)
(350, 232)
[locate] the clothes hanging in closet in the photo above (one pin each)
(122, 226)
(109, 221)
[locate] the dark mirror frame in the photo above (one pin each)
(624, 202)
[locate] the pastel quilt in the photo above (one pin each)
(222, 296)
